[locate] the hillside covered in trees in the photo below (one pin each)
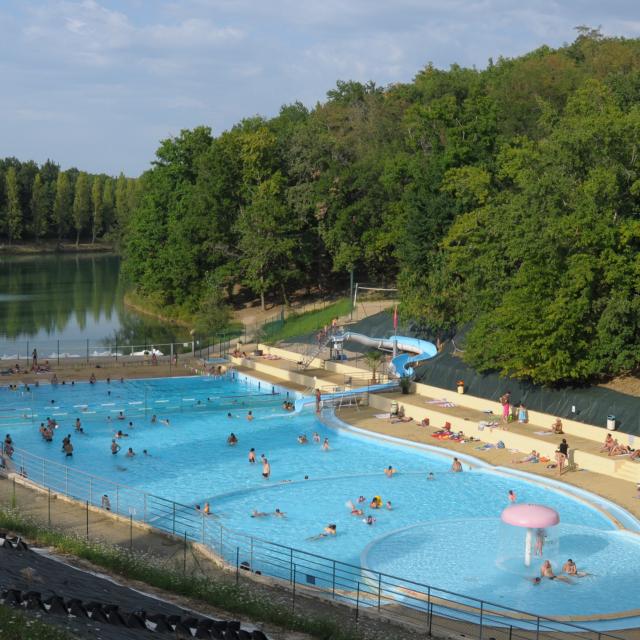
(42, 203)
(505, 201)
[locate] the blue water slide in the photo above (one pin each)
(416, 350)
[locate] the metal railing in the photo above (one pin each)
(405, 601)
(53, 351)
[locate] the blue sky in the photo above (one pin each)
(97, 84)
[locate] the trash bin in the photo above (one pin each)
(611, 423)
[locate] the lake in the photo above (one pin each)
(72, 303)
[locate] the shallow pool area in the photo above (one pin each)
(444, 531)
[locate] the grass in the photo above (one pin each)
(304, 323)
(17, 626)
(230, 597)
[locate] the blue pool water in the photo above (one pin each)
(445, 532)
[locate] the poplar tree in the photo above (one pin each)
(14, 211)
(97, 219)
(62, 204)
(81, 205)
(39, 208)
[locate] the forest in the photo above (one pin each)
(44, 204)
(504, 202)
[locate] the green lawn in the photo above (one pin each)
(304, 323)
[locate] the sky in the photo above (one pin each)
(96, 84)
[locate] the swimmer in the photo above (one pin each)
(78, 425)
(266, 469)
(120, 416)
(362, 499)
(119, 434)
(570, 568)
(165, 422)
(115, 447)
(130, 424)
(376, 502)
(512, 495)
(302, 439)
(249, 416)
(258, 514)
(207, 509)
(389, 506)
(130, 453)
(369, 520)
(389, 471)
(279, 514)
(329, 530)
(146, 453)
(431, 476)
(154, 419)
(252, 455)
(232, 440)
(316, 437)
(456, 466)
(229, 415)
(68, 449)
(325, 444)
(355, 511)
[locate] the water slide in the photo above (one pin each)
(402, 365)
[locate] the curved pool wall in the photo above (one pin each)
(353, 466)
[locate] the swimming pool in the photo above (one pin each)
(444, 532)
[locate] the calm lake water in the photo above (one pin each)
(67, 300)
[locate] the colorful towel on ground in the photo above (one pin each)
(543, 433)
(442, 403)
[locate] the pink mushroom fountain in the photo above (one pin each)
(530, 516)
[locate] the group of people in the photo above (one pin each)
(612, 447)
(569, 571)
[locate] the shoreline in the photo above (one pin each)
(34, 249)
(136, 306)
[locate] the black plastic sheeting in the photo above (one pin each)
(592, 404)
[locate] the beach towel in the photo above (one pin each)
(442, 403)
(543, 433)
(382, 416)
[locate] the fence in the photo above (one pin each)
(92, 351)
(366, 591)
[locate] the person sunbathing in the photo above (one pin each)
(556, 427)
(534, 456)
(620, 450)
(607, 444)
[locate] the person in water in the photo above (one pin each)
(252, 455)
(390, 471)
(115, 447)
(266, 469)
(570, 568)
(546, 571)
(232, 440)
(329, 530)
(130, 453)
